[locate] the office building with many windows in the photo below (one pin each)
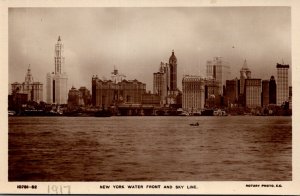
(282, 83)
(57, 81)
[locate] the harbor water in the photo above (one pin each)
(231, 148)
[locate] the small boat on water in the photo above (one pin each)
(194, 124)
(184, 113)
(220, 113)
(11, 113)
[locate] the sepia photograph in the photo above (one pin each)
(150, 96)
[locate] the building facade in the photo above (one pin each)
(218, 69)
(174, 94)
(165, 83)
(282, 83)
(232, 92)
(212, 93)
(173, 72)
(253, 93)
(86, 95)
(75, 98)
(57, 81)
(272, 90)
(106, 93)
(193, 95)
(161, 83)
(34, 90)
(265, 93)
(151, 99)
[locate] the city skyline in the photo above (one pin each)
(136, 40)
(222, 82)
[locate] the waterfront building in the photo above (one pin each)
(265, 93)
(75, 98)
(282, 83)
(161, 82)
(245, 73)
(218, 69)
(17, 100)
(193, 95)
(173, 97)
(86, 95)
(272, 90)
(57, 81)
(232, 92)
(253, 93)
(173, 72)
(212, 93)
(106, 93)
(165, 83)
(151, 99)
(34, 90)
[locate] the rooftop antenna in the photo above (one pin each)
(282, 62)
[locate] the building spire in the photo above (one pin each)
(245, 63)
(245, 67)
(59, 59)
(28, 77)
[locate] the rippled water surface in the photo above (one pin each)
(150, 148)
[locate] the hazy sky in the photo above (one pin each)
(136, 40)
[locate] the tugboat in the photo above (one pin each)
(194, 124)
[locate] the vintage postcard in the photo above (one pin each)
(156, 97)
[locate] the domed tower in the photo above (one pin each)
(173, 71)
(28, 77)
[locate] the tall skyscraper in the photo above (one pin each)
(219, 70)
(161, 82)
(34, 90)
(272, 90)
(57, 91)
(253, 93)
(231, 92)
(282, 83)
(173, 72)
(193, 95)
